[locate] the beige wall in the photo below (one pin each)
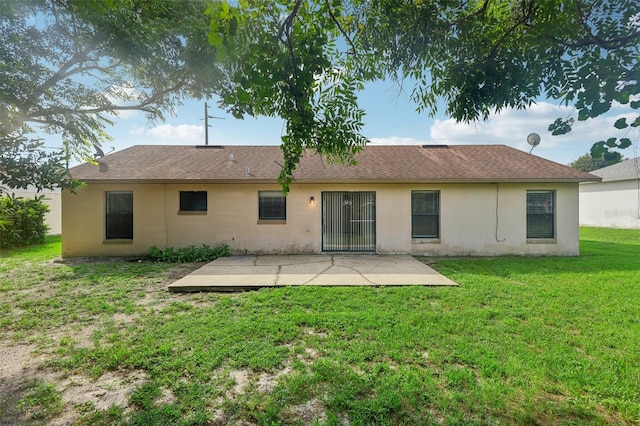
(610, 204)
(468, 219)
(53, 199)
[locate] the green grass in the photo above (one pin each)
(521, 341)
(41, 400)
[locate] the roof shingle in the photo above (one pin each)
(389, 163)
(624, 170)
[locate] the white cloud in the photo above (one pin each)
(511, 127)
(137, 130)
(182, 133)
(168, 134)
(396, 140)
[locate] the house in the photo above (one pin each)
(52, 198)
(431, 200)
(615, 201)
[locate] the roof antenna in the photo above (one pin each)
(534, 140)
(206, 123)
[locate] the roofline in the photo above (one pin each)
(617, 178)
(341, 181)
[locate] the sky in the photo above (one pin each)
(391, 119)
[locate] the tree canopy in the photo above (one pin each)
(306, 60)
(587, 163)
(69, 67)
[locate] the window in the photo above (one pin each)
(193, 201)
(540, 214)
(272, 205)
(119, 215)
(425, 214)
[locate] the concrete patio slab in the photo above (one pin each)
(248, 272)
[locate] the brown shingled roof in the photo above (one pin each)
(389, 163)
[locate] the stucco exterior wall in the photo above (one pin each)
(613, 204)
(469, 223)
(53, 199)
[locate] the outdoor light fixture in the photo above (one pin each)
(312, 200)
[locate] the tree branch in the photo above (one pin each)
(526, 14)
(288, 22)
(335, 21)
(286, 31)
(611, 44)
(141, 106)
(60, 75)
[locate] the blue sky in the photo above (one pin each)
(391, 119)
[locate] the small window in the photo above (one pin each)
(540, 214)
(119, 215)
(272, 205)
(425, 214)
(193, 201)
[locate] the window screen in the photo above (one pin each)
(425, 214)
(272, 205)
(193, 201)
(540, 214)
(119, 215)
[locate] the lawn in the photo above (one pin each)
(520, 341)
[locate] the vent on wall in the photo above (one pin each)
(210, 146)
(435, 146)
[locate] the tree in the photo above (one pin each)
(68, 67)
(24, 163)
(305, 61)
(587, 163)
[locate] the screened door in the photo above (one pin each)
(349, 221)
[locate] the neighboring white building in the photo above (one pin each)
(614, 202)
(53, 199)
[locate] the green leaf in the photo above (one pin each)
(624, 143)
(598, 149)
(612, 156)
(611, 142)
(621, 123)
(560, 126)
(623, 98)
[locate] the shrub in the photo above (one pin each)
(203, 253)
(25, 217)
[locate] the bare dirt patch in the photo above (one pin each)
(23, 364)
(19, 367)
(309, 412)
(111, 389)
(241, 379)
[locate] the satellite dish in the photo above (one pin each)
(99, 152)
(534, 140)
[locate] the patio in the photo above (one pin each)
(249, 272)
